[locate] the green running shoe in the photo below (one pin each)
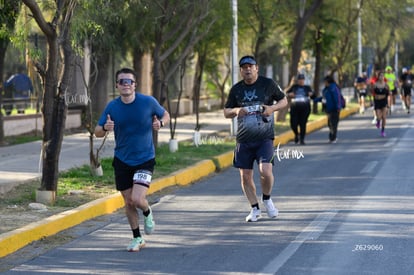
(149, 223)
(136, 244)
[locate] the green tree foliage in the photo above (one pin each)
(384, 24)
(171, 31)
(209, 54)
(101, 25)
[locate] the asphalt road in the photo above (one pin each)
(345, 208)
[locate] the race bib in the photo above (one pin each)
(142, 177)
(254, 109)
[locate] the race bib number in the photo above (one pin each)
(254, 109)
(142, 176)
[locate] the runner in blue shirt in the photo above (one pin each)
(133, 116)
(331, 96)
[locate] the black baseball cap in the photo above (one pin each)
(248, 59)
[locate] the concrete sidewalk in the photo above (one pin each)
(21, 163)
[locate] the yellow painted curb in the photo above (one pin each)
(224, 160)
(16, 239)
(161, 183)
(283, 138)
(195, 172)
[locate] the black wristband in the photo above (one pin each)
(103, 128)
(161, 124)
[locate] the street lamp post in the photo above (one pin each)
(234, 54)
(359, 40)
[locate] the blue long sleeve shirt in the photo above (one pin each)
(331, 93)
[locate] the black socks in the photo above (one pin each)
(146, 213)
(264, 197)
(136, 233)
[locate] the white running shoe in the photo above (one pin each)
(254, 215)
(272, 211)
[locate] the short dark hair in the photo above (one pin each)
(126, 71)
(329, 79)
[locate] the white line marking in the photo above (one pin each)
(311, 232)
(369, 167)
(390, 142)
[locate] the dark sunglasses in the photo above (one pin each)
(124, 81)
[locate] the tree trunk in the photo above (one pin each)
(137, 55)
(318, 59)
(198, 77)
(3, 47)
(297, 45)
(299, 35)
(99, 90)
(156, 86)
(52, 143)
(54, 106)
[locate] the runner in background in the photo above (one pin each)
(371, 82)
(300, 107)
(381, 92)
(361, 87)
(393, 85)
(406, 84)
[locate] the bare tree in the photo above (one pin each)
(177, 30)
(304, 15)
(219, 77)
(56, 75)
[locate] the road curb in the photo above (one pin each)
(16, 239)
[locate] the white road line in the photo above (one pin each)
(311, 232)
(390, 142)
(369, 167)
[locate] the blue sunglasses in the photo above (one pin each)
(124, 81)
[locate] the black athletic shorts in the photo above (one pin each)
(362, 93)
(124, 174)
(380, 103)
(246, 154)
(406, 90)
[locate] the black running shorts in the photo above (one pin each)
(124, 174)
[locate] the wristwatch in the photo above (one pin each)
(161, 123)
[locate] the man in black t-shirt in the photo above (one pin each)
(300, 107)
(253, 101)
